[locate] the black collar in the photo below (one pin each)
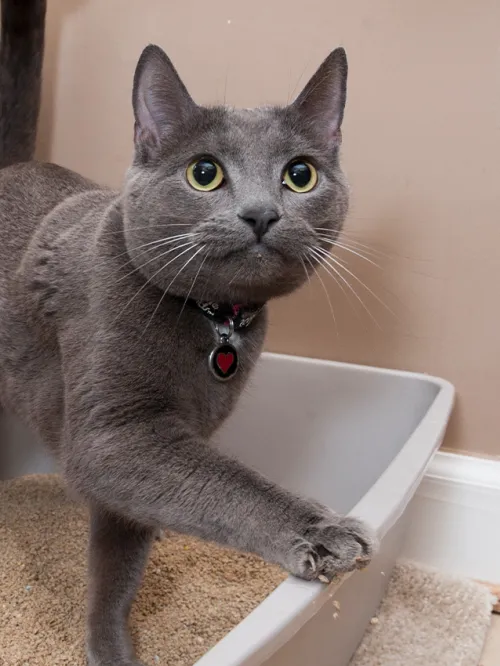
(241, 316)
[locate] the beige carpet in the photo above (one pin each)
(193, 594)
(427, 619)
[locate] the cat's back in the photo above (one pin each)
(28, 192)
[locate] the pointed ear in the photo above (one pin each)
(322, 101)
(160, 100)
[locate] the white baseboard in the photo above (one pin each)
(455, 517)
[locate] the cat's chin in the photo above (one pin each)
(254, 274)
(250, 292)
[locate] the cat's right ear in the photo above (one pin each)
(160, 100)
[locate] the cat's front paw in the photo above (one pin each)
(329, 545)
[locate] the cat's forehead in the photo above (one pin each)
(254, 113)
(270, 120)
(262, 131)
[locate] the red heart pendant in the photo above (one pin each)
(223, 361)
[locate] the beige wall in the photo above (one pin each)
(421, 148)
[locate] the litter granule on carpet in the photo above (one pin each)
(427, 619)
(192, 595)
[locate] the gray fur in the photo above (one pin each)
(111, 371)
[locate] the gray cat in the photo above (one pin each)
(131, 320)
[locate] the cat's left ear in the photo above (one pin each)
(322, 101)
(161, 101)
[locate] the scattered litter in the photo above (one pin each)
(374, 620)
(209, 590)
(228, 21)
(382, 573)
(336, 604)
(323, 579)
(335, 616)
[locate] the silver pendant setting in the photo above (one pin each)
(223, 360)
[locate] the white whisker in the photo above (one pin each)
(305, 269)
(362, 246)
(151, 279)
(339, 284)
(332, 236)
(160, 242)
(236, 274)
(326, 265)
(149, 226)
(326, 292)
(200, 249)
(387, 255)
(370, 291)
(331, 243)
(358, 254)
(192, 285)
(158, 256)
(368, 252)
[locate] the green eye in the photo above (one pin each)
(300, 176)
(205, 175)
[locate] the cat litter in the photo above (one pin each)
(193, 593)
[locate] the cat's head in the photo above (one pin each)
(233, 205)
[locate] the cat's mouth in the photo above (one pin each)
(259, 251)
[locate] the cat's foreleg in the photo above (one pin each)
(118, 552)
(161, 475)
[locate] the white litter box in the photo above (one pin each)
(357, 439)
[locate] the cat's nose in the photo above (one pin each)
(260, 219)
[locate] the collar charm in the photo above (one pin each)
(223, 359)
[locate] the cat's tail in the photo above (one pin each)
(22, 40)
